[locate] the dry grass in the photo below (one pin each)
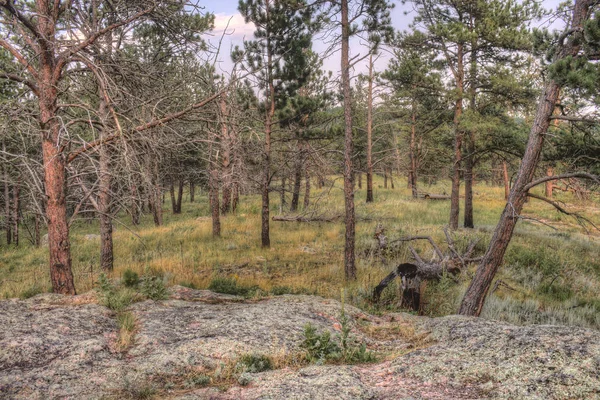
(307, 257)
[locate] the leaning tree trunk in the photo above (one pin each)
(506, 180)
(349, 240)
(458, 138)
(473, 301)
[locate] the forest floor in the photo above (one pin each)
(199, 345)
(551, 272)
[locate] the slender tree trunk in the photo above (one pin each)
(172, 195)
(7, 213)
(156, 194)
(192, 191)
(470, 142)
(474, 298)
(282, 198)
(226, 174)
(137, 205)
(370, 133)
(458, 138)
(412, 175)
(506, 180)
(385, 178)
(265, 236)
(180, 195)
(307, 187)
(213, 186)
(549, 184)
(349, 256)
(297, 176)
(15, 211)
(359, 180)
(104, 195)
(37, 240)
(468, 217)
(235, 197)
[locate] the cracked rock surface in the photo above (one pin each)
(59, 347)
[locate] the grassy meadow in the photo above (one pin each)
(549, 275)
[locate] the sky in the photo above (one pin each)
(227, 16)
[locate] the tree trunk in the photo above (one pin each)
(235, 197)
(297, 176)
(458, 138)
(172, 195)
(474, 298)
(180, 195)
(359, 180)
(192, 191)
(104, 209)
(15, 212)
(391, 174)
(7, 213)
(156, 194)
(370, 133)
(506, 180)
(137, 205)
(270, 112)
(349, 240)
(37, 239)
(307, 187)
(213, 187)
(385, 178)
(412, 174)
(468, 217)
(226, 173)
(549, 184)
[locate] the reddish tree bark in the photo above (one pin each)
(506, 180)
(350, 222)
(474, 298)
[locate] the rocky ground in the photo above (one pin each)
(56, 347)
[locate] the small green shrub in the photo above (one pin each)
(197, 380)
(254, 363)
(319, 347)
(117, 299)
(130, 278)
(154, 288)
(230, 286)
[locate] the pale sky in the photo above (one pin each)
(226, 12)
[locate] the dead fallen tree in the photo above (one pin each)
(306, 218)
(412, 274)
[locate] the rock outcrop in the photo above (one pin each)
(57, 347)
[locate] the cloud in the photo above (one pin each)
(234, 25)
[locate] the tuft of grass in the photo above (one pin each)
(154, 288)
(32, 291)
(254, 363)
(127, 328)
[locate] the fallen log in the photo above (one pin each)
(304, 218)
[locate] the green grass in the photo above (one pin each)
(556, 269)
